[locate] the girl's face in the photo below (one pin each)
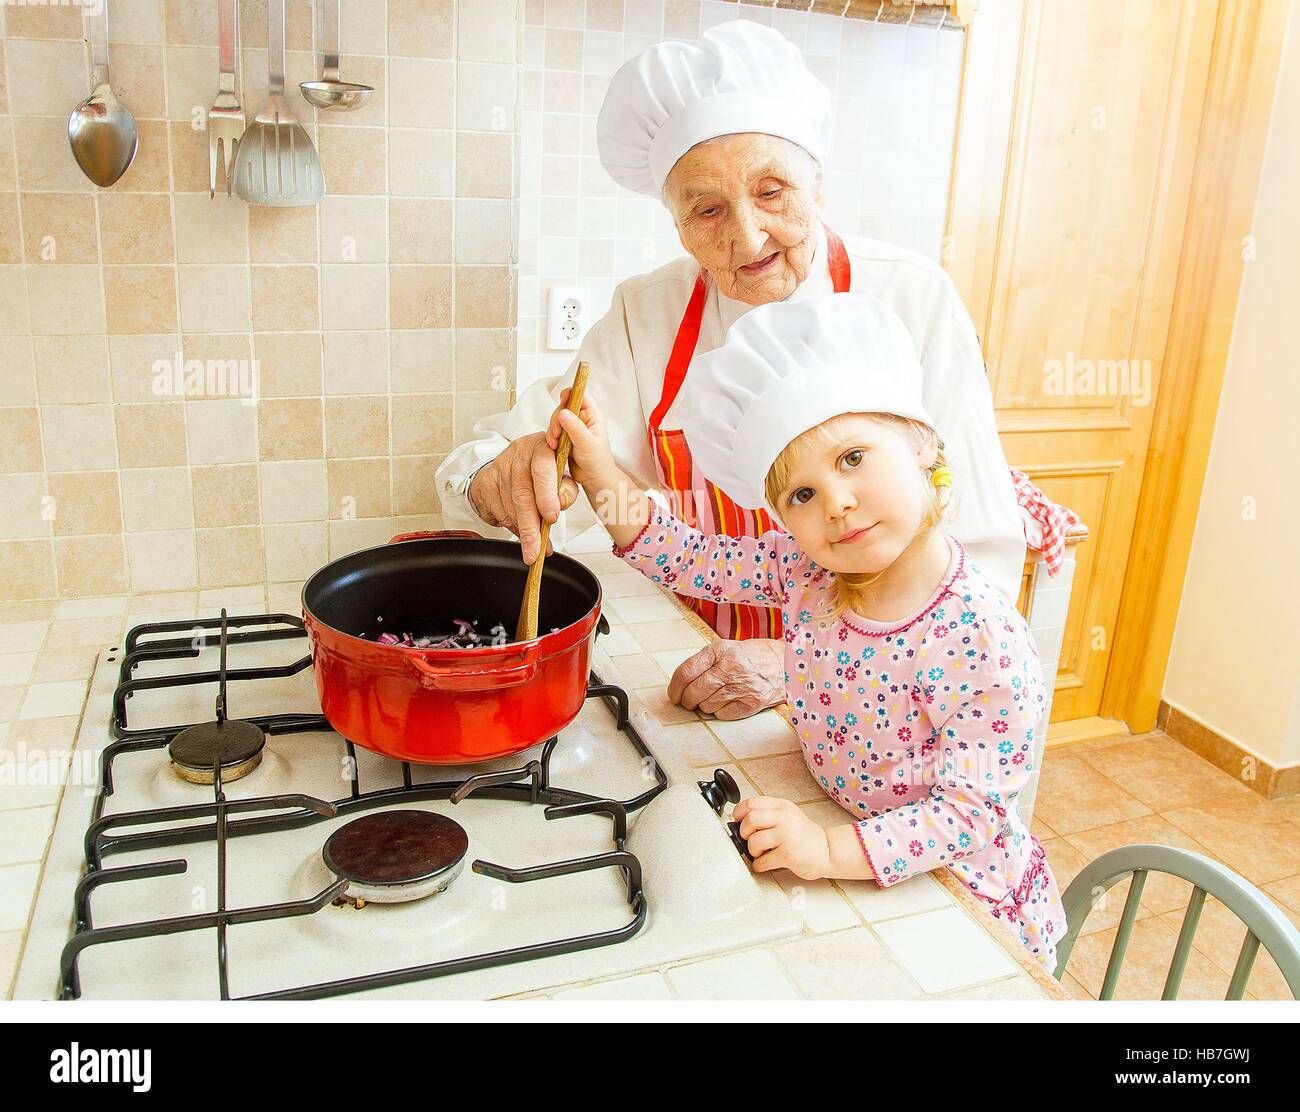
(856, 499)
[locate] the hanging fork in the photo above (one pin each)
(226, 116)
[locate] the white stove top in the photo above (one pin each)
(701, 897)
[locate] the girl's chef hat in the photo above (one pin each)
(739, 77)
(785, 368)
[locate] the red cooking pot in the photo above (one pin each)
(448, 706)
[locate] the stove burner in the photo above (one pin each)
(237, 745)
(396, 856)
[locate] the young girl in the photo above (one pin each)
(915, 685)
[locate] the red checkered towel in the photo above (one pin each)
(1046, 523)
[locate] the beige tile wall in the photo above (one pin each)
(381, 322)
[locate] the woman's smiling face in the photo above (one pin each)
(855, 498)
(746, 208)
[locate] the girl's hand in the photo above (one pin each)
(780, 836)
(591, 462)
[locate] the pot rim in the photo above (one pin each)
(311, 618)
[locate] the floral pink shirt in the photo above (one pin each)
(922, 729)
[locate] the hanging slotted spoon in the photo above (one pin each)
(276, 163)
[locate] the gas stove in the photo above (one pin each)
(232, 845)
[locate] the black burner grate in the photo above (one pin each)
(181, 825)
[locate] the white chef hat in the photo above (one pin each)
(786, 367)
(739, 77)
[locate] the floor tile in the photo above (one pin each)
(1287, 807)
(657, 703)
(1286, 892)
(25, 834)
(52, 700)
(646, 608)
(1247, 835)
(605, 563)
(1075, 748)
(160, 601)
(46, 734)
(876, 904)
(36, 772)
(92, 607)
(619, 642)
(626, 584)
(820, 903)
(696, 744)
(76, 662)
(67, 632)
(1009, 988)
(33, 610)
(1040, 828)
(1146, 963)
(645, 986)
(640, 671)
(22, 637)
(11, 699)
(11, 944)
(1075, 990)
(846, 965)
(158, 617)
(1161, 892)
(671, 659)
(786, 777)
(594, 539)
(763, 735)
(750, 975)
(16, 668)
(945, 950)
(1219, 937)
(661, 636)
(1164, 775)
(236, 600)
(18, 883)
(1074, 796)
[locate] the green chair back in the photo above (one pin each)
(1266, 924)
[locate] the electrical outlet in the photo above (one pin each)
(568, 317)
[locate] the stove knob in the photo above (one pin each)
(733, 828)
(720, 791)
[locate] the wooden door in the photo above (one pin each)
(1077, 138)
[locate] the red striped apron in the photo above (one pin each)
(696, 500)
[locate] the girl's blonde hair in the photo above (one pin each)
(850, 588)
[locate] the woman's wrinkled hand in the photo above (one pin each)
(731, 679)
(518, 489)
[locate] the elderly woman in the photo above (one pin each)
(731, 131)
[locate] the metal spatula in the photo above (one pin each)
(276, 164)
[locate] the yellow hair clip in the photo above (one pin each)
(941, 477)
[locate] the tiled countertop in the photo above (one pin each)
(923, 939)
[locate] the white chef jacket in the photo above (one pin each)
(628, 351)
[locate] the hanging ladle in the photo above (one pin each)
(329, 92)
(101, 129)
(526, 629)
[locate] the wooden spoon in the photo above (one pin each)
(526, 630)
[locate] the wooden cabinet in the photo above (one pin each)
(1092, 211)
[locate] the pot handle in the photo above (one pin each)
(442, 533)
(485, 677)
